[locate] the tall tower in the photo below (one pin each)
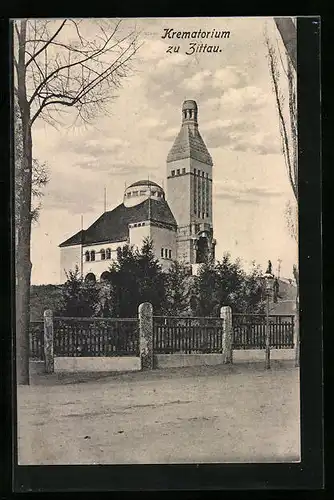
(189, 190)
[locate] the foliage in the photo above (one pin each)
(226, 283)
(136, 277)
(177, 290)
(80, 298)
(44, 297)
(105, 306)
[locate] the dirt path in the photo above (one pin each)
(203, 414)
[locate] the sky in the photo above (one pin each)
(237, 120)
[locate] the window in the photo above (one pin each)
(166, 253)
(90, 278)
(173, 173)
(207, 176)
(170, 254)
(134, 193)
(202, 174)
(128, 195)
(183, 170)
(142, 193)
(87, 257)
(162, 252)
(195, 171)
(178, 171)
(108, 253)
(103, 254)
(92, 255)
(105, 276)
(203, 215)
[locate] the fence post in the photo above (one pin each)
(48, 341)
(226, 315)
(145, 312)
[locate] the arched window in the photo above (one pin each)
(90, 278)
(87, 256)
(103, 254)
(92, 255)
(105, 276)
(108, 253)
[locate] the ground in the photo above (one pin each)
(239, 413)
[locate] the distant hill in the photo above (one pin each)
(287, 289)
(44, 297)
(286, 303)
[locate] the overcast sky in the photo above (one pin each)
(237, 120)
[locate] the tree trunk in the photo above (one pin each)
(288, 33)
(23, 229)
(23, 264)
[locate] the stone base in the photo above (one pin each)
(97, 364)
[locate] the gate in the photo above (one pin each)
(187, 335)
(36, 340)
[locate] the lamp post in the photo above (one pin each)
(268, 287)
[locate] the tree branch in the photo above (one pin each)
(86, 88)
(91, 56)
(283, 129)
(47, 43)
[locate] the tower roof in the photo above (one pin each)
(189, 105)
(189, 142)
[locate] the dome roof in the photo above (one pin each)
(141, 190)
(144, 182)
(189, 105)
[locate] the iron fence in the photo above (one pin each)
(92, 337)
(249, 331)
(187, 335)
(36, 340)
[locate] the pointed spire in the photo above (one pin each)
(189, 142)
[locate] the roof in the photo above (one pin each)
(189, 144)
(144, 183)
(189, 104)
(113, 226)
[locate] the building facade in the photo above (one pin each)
(181, 226)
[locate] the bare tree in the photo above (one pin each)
(287, 30)
(59, 65)
(287, 125)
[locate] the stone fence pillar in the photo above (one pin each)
(48, 341)
(145, 313)
(226, 315)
